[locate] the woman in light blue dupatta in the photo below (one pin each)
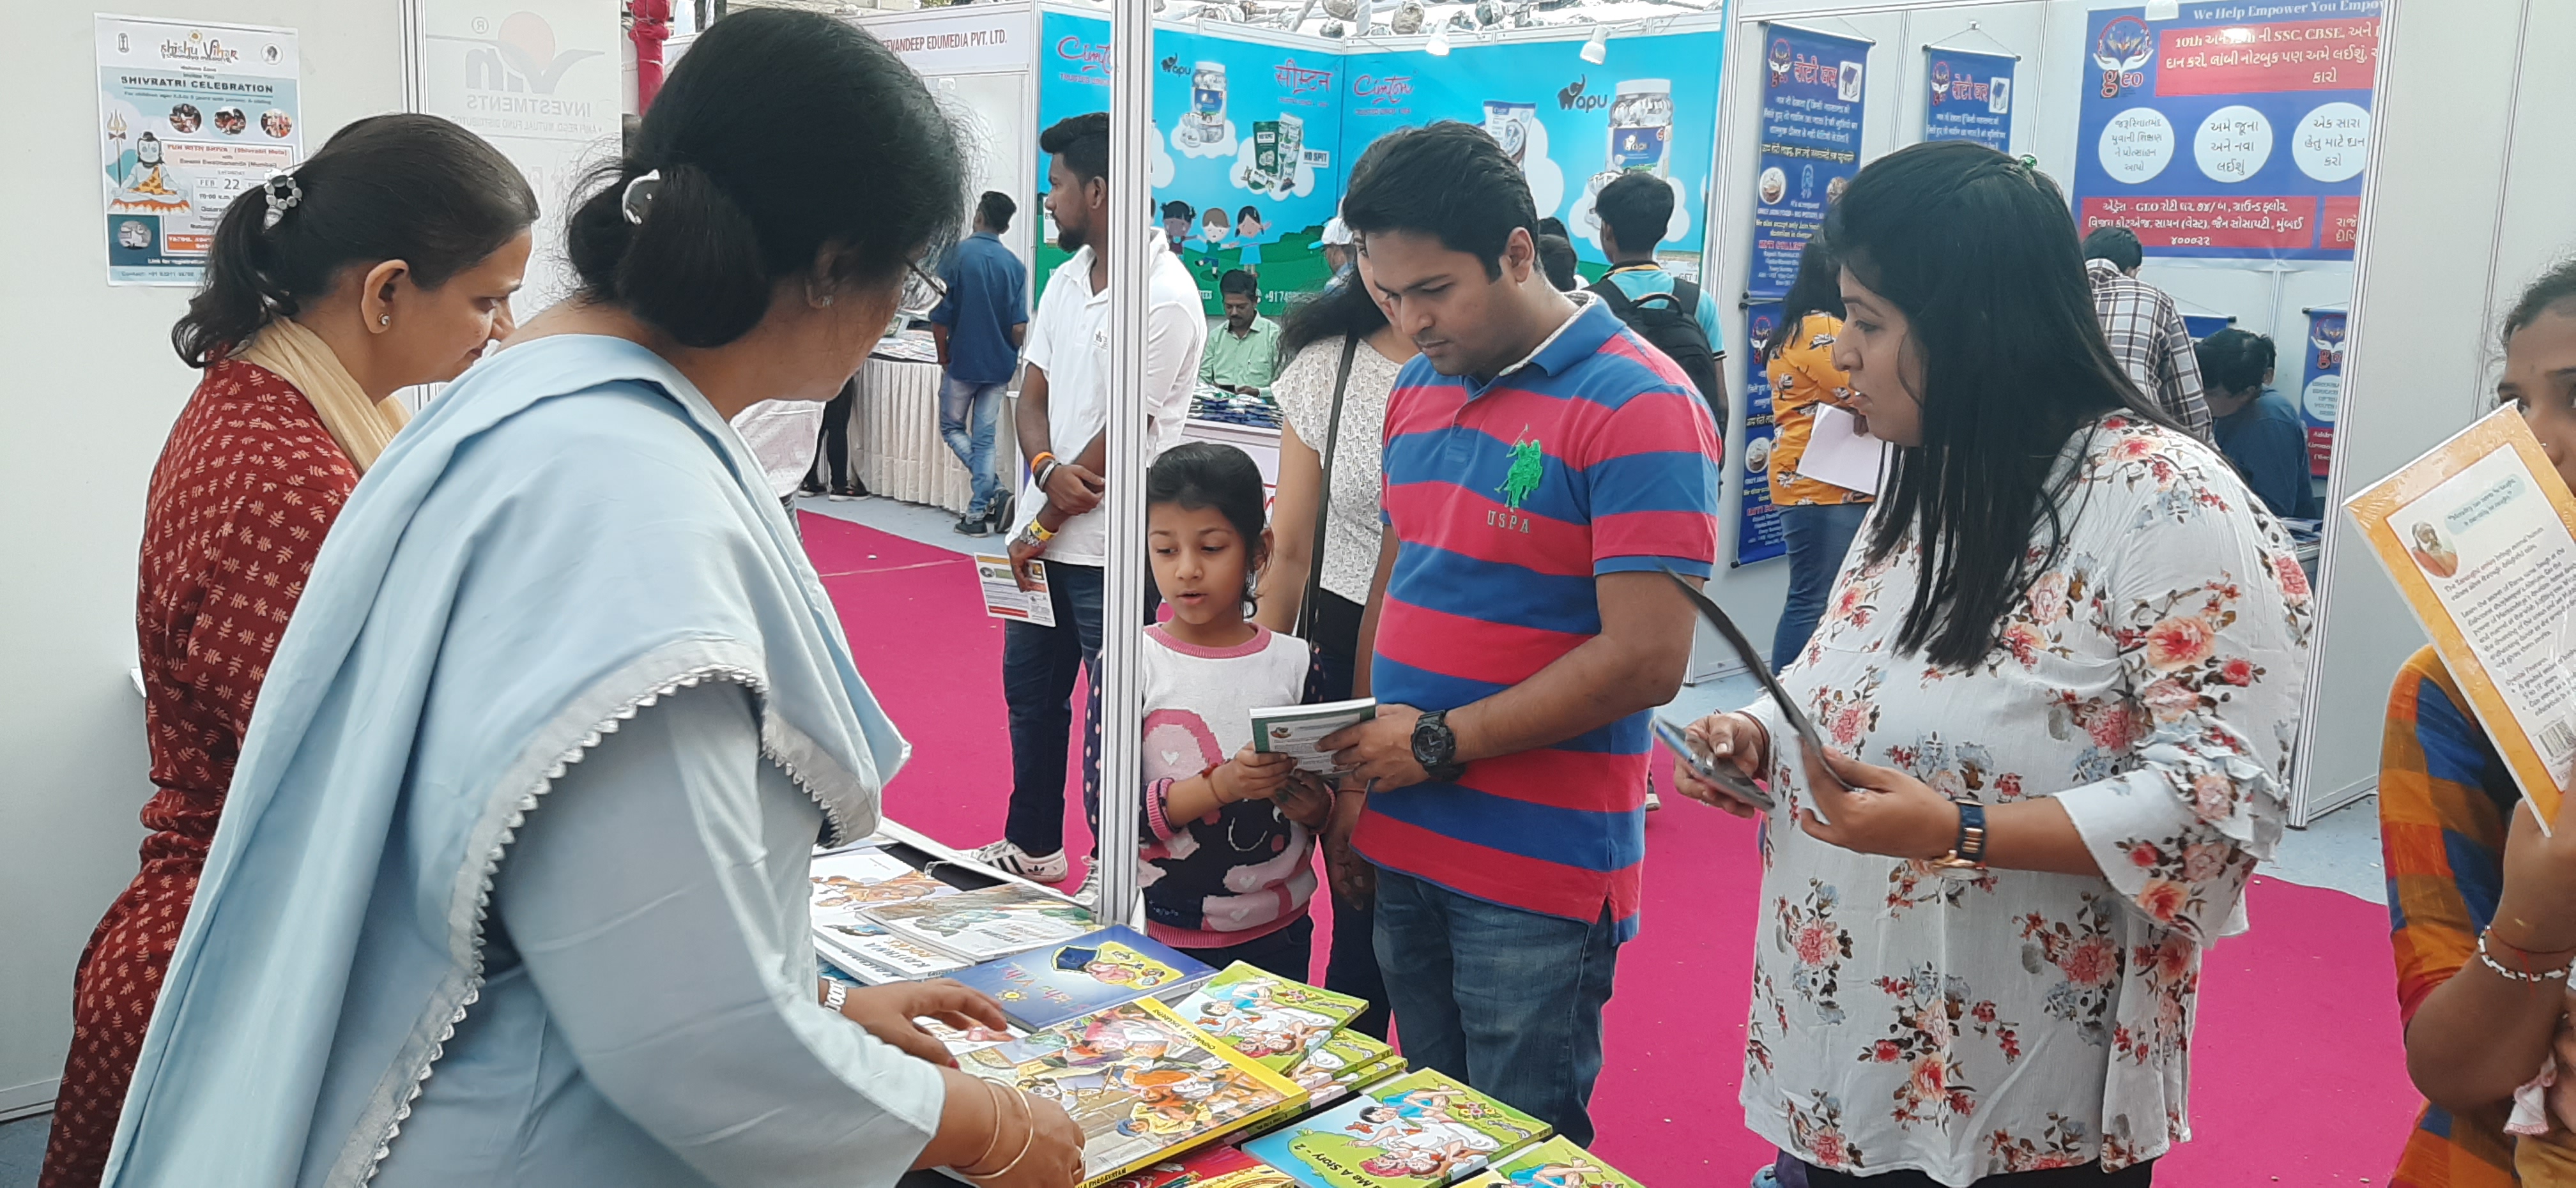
(512, 886)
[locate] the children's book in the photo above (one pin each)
(1300, 730)
(982, 925)
(1267, 1017)
(1143, 1085)
(973, 1039)
(1422, 1130)
(1216, 1167)
(1053, 983)
(874, 944)
(1558, 1163)
(849, 882)
(1344, 1059)
(2480, 536)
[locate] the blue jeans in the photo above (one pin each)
(1038, 667)
(969, 415)
(1506, 1000)
(1818, 535)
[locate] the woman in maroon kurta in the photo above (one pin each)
(386, 260)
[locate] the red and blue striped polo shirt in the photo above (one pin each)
(1507, 498)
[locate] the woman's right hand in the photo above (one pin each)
(1732, 737)
(2537, 912)
(1054, 1158)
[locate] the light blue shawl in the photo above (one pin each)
(569, 533)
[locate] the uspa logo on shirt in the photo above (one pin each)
(1528, 467)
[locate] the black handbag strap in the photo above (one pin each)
(1324, 495)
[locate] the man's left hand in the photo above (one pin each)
(1379, 752)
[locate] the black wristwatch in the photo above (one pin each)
(1435, 747)
(1969, 851)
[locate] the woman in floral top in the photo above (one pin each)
(2066, 618)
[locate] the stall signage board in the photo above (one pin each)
(1757, 523)
(978, 39)
(2220, 135)
(190, 115)
(1811, 134)
(1971, 97)
(2321, 386)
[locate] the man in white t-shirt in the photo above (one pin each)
(1062, 423)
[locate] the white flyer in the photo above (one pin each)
(1840, 452)
(1003, 597)
(1300, 730)
(190, 115)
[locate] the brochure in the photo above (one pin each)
(1296, 729)
(1003, 597)
(2480, 536)
(1840, 452)
(982, 925)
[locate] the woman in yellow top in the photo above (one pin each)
(1817, 518)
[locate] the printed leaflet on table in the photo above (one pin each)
(1267, 1017)
(2480, 536)
(1422, 1130)
(1142, 1084)
(1054, 983)
(994, 922)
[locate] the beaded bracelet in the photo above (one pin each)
(2521, 975)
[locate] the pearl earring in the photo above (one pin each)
(384, 319)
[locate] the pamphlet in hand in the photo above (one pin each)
(1799, 724)
(2480, 536)
(1003, 597)
(1840, 452)
(1300, 729)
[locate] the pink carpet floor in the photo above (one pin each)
(2298, 1079)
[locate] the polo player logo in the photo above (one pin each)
(1529, 465)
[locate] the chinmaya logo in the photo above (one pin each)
(198, 48)
(521, 57)
(1383, 90)
(1093, 57)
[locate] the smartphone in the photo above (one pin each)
(1800, 726)
(1725, 775)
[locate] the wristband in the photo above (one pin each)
(834, 995)
(1044, 457)
(1046, 470)
(1038, 533)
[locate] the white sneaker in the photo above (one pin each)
(1004, 856)
(1088, 894)
(1654, 800)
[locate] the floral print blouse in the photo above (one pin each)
(1979, 1023)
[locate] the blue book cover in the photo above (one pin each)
(1066, 980)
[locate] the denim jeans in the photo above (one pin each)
(1506, 1000)
(1038, 667)
(969, 416)
(1818, 536)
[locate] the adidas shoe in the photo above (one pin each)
(1003, 856)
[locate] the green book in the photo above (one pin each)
(1267, 1017)
(1557, 1163)
(1422, 1130)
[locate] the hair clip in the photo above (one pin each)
(282, 193)
(639, 194)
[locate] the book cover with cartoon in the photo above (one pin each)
(1053, 983)
(1558, 1163)
(851, 881)
(1423, 1130)
(1216, 1167)
(1143, 1085)
(993, 922)
(1346, 1061)
(1267, 1017)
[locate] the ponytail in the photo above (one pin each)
(414, 188)
(686, 260)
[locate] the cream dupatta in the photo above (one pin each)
(362, 427)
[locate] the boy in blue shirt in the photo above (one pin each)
(979, 326)
(2256, 427)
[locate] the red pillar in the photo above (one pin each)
(649, 24)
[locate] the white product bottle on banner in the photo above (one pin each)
(1641, 127)
(1207, 101)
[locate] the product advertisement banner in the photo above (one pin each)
(1757, 530)
(2220, 135)
(2321, 386)
(1245, 149)
(1972, 97)
(189, 116)
(1650, 107)
(1811, 125)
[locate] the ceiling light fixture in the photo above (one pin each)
(1597, 50)
(1438, 46)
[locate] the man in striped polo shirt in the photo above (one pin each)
(1542, 463)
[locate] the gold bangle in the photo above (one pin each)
(996, 1140)
(1028, 1142)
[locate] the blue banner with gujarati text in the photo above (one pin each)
(1757, 523)
(1811, 123)
(1972, 97)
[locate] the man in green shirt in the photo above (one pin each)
(1243, 354)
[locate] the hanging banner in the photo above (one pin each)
(2321, 386)
(540, 80)
(189, 116)
(1811, 125)
(1971, 97)
(1757, 524)
(1243, 152)
(2215, 135)
(1650, 107)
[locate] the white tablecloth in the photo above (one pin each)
(781, 433)
(896, 437)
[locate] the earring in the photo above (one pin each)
(827, 298)
(384, 319)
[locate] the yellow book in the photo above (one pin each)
(1143, 1084)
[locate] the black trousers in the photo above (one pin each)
(832, 445)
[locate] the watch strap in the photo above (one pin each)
(1968, 851)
